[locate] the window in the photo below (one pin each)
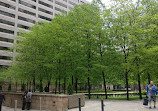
(6, 40)
(26, 12)
(50, 0)
(4, 48)
(27, 4)
(72, 3)
(58, 9)
(7, 5)
(82, 2)
(26, 19)
(5, 58)
(45, 11)
(7, 22)
(34, 0)
(23, 26)
(13, 0)
(45, 18)
(45, 4)
(7, 31)
(61, 4)
(7, 14)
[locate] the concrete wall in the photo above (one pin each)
(73, 100)
(49, 101)
(11, 10)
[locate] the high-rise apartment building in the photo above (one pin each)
(18, 15)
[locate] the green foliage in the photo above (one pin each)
(70, 89)
(87, 41)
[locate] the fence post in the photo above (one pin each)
(79, 101)
(102, 105)
(15, 109)
(40, 104)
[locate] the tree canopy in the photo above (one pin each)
(92, 45)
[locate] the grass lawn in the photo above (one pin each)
(100, 91)
(119, 98)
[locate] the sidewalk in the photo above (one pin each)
(115, 105)
(110, 105)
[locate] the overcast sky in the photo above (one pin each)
(107, 2)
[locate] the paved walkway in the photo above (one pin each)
(115, 105)
(110, 105)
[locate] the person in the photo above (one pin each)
(24, 100)
(151, 93)
(2, 99)
(29, 99)
(46, 89)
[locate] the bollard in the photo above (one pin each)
(40, 104)
(15, 109)
(102, 105)
(79, 101)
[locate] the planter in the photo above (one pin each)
(73, 100)
(48, 101)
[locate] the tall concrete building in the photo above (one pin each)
(18, 15)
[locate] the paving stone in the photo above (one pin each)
(110, 105)
(115, 105)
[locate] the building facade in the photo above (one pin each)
(18, 15)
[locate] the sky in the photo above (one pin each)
(106, 2)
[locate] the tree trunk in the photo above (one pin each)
(72, 80)
(89, 89)
(149, 78)
(27, 85)
(41, 86)
(139, 85)
(102, 71)
(16, 86)
(64, 85)
(126, 76)
(34, 84)
(30, 86)
(56, 86)
(76, 85)
(21, 85)
(48, 86)
(59, 84)
(104, 85)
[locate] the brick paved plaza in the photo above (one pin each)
(110, 105)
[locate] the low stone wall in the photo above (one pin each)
(48, 101)
(73, 100)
